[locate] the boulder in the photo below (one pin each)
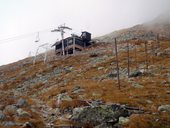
(99, 115)
(9, 124)
(28, 125)
(123, 120)
(10, 110)
(2, 116)
(135, 73)
(21, 103)
(22, 113)
(165, 108)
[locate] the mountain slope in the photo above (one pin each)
(29, 93)
(160, 25)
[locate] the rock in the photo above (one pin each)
(93, 55)
(77, 110)
(96, 103)
(135, 73)
(100, 68)
(142, 70)
(77, 89)
(21, 103)
(22, 72)
(95, 94)
(68, 69)
(106, 125)
(136, 85)
(112, 75)
(149, 101)
(2, 107)
(123, 120)
(28, 125)
(166, 52)
(22, 113)
(100, 114)
(165, 108)
(9, 124)
(10, 110)
(57, 70)
(2, 116)
(167, 92)
(64, 96)
(55, 112)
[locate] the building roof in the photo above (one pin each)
(68, 38)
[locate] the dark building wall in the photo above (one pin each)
(83, 41)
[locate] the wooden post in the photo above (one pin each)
(117, 64)
(128, 59)
(146, 55)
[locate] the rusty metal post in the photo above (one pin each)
(153, 51)
(136, 63)
(158, 43)
(146, 55)
(117, 64)
(128, 59)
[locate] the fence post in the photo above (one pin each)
(146, 55)
(128, 58)
(136, 63)
(117, 64)
(158, 41)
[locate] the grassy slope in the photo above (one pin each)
(106, 89)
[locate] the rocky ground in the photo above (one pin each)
(82, 91)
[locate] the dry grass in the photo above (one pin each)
(106, 89)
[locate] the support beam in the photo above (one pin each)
(74, 47)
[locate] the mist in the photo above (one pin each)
(99, 17)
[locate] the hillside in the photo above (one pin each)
(160, 25)
(82, 90)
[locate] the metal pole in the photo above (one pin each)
(117, 64)
(136, 56)
(45, 56)
(146, 55)
(35, 57)
(62, 36)
(74, 43)
(158, 41)
(153, 51)
(128, 59)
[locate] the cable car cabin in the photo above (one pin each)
(73, 43)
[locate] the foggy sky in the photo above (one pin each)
(20, 17)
